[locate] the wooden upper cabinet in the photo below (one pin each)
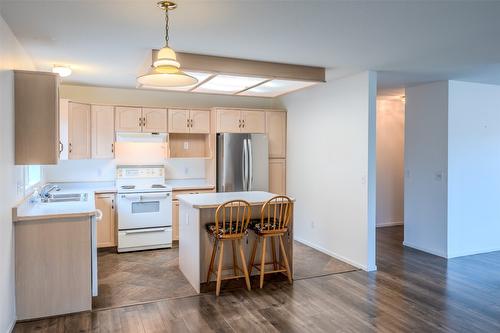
(103, 131)
(128, 119)
(36, 103)
(199, 121)
(277, 176)
(253, 122)
(178, 121)
(154, 120)
(79, 131)
(276, 133)
(228, 121)
(188, 121)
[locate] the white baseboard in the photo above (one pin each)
(12, 325)
(423, 249)
(471, 253)
(389, 224)
(336, 256)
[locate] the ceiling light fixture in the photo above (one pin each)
(63, 71)
(165, 71)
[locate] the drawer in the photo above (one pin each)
(138, 239)
(176, 193)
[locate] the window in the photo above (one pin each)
(33, 175)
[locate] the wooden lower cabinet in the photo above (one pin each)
(53, 266)
(277, 175)
(175, 220)
(175, 208)
(106, 228)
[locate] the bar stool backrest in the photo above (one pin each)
(275, 214)
(232, 218)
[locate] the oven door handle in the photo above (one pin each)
(142, 231)
(145, 196)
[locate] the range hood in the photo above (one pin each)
(141, 137)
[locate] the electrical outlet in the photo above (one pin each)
(186, 145)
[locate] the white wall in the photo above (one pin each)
(390, 161)
(426, 148)
(331, 167)
(473, 168)
(12, 56)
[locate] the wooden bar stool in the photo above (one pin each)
(231, 223)
(273, 223)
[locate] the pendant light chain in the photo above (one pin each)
(166, 27)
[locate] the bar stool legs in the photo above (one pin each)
(277, 266)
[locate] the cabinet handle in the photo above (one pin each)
(239, 123)
(70, 147)
(112, 203)
(191, 123)
(113, 148)
(61, 147)
(144, 121)
(243, 121)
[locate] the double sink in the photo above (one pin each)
(65, 197)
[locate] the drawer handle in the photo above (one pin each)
(143, 231)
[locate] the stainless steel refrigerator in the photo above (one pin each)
(242, 162)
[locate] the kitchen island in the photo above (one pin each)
(195, 246)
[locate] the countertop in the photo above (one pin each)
(27, 210)
(212, 200)
(189, 184)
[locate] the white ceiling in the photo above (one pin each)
(106, 42)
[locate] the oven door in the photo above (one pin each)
(144, 210)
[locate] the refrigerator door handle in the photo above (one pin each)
(244, 166)
(250, 165)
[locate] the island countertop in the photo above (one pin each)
(213, 200)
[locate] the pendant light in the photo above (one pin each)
(165, 71)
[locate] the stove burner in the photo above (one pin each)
(128, 187)
(157, 186)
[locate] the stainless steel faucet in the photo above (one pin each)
(46, 189)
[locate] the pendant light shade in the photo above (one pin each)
(166, 71)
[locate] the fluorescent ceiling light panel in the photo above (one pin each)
(200, 76)
(276, 88)
(228, 84)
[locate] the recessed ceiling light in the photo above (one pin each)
(276, 88)
(63, 71)
(228, 84)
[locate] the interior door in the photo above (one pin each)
(155, 120)
(230, 153)
(78, 131)
(128, 119)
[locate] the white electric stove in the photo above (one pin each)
(144, 206)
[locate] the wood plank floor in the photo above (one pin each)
(411, 292)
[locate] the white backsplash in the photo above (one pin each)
(137, 154)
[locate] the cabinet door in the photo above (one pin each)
(276, 134)
(128, 119)
(200, 121)
(155, 120)
(106, 229)
(277, 176)
(228, 121)
(103, 131)
(79, 131)
(253, 121)
(63, 128)
(175, 220)
(178, 121)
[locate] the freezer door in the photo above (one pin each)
(230, 162)
(258, 163)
